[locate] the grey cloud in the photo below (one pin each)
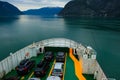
(29, 4)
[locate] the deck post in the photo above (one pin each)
(12, 58)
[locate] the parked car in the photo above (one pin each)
(60, 57)
(34, 79)
(41, 71)
(25, 66)
(53, 78)
(49, 56)
(58, 69)
(41, 63)
(12, 78)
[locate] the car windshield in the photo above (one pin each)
(60, 54)
(34, 79)
(23, 62)
(21, 66)
(38, 69)
(56, 70)
(48, 53)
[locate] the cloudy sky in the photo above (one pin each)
(35, 4)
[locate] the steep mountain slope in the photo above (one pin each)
(105, 8)
(7, 9)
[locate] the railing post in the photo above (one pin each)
(12, 63)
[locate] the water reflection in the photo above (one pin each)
(8, 19)
(104, 24)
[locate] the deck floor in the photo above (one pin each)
(69, 71)
(89, 76)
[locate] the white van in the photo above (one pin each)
(58, 69)
(53, 78)
(34, 79)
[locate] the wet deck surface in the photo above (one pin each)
(89, 76)
(69, 71)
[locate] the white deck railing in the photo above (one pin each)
(14, 59)
(100, 75)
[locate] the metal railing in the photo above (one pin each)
(100, 75)
(14, 59)
(10, 62)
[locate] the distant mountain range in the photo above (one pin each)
(46, 11)
(102, 8)
(93, 8)
(7, 9)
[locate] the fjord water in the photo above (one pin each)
(103, 34)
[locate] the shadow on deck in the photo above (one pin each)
(69, 72)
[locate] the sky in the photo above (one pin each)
(36, 4)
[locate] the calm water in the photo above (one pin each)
(102, 34)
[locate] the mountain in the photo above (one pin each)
(46, 11)
(7, 9)
(104, 8)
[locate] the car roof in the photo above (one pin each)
(34, 79)
(53, 78)
(24, 61)
(58, 65)
(48, 53)
(60, 53)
